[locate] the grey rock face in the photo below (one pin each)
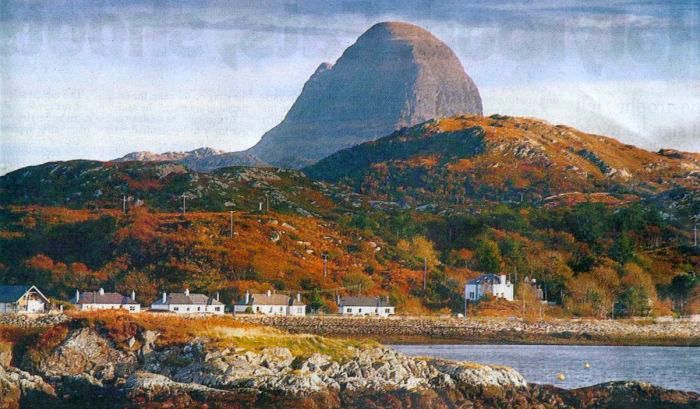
(395, 75)
(201, 160)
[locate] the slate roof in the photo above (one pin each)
(363, 301)
(273, 299)
(106, 298)
(12, 293)
(191, 299)
(486, 279)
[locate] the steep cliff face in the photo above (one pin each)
(395, 75)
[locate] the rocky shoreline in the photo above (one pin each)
(426, 330)
(78, 365)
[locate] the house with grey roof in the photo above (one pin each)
(270, 304)
(101, 300)
(364, 305)
(497, 286)
(189, 303)
(22, 299)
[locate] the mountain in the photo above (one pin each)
(202, 159)
(455, 160)
(395, 75)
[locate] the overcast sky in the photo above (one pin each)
(98, 79)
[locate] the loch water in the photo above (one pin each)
(669, 367)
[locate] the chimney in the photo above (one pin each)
(187, 292)
(337, 299)
(503, 279)
(247, 296)
(298, 297)
(269, 293)
(133, 295)
(102, 291)
(217, 296)
(77, 296)
(165, 296)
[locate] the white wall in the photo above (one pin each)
(297, 310)
(190, 308)
(356, 310)
(99, 307)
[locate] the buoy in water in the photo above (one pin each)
(586, 365)
(561, 376)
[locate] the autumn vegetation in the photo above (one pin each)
(603, 228)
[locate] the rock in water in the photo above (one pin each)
(395, 75)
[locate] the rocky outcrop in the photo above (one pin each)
(138, 373)
(83, 353)
(395, 75)
(200, 160)
(22, 389)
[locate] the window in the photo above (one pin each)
(216, 308)
(132, 308)
(359, 310)
(349, 310)
(387, 310)
(176, 308)
(199, 308)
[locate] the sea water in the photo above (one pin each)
(669, 367)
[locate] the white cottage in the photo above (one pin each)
(22, 299)
(365, 306)
(489, 284)
(188, 303)
(271, 304)
(101, 300)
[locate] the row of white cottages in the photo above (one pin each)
(28, 299)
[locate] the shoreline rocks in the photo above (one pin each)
(86, 365)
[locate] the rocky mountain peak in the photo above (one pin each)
(395, 75)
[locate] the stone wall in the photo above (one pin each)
(684, 332)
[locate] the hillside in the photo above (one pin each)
(461, 159)
(62, 225)
(160, 186)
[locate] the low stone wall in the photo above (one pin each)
(459, 329)
(32, 320)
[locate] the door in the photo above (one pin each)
(35, 306)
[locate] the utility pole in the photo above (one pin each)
(325, 265)
(695, 235)
(425, 273)
(267, 203)
(124, 204)
(466, 301)
(231, 224)
(612, 311)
